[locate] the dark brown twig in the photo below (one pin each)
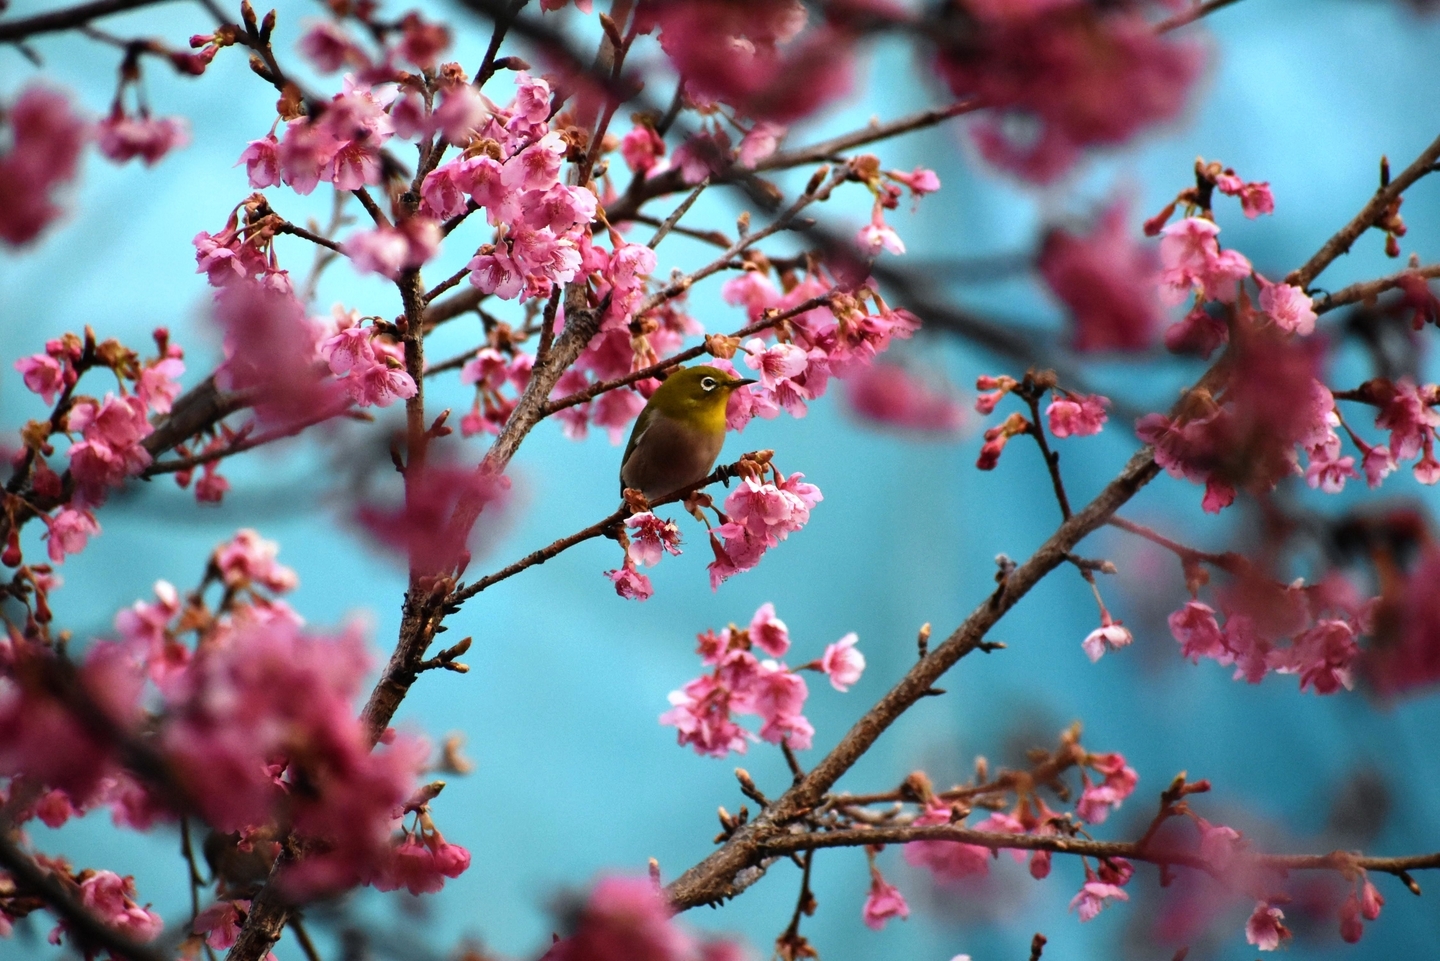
(67, 18)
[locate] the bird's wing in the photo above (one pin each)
(642, 424)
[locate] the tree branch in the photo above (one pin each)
(1365, 219)
(85, 928)
(67, 18)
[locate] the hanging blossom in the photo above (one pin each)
(703, 711)
(1274, 408)
(46, 137)
(369, 365)
(1310, 631)
(759, 515)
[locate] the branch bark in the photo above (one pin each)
(67, 18)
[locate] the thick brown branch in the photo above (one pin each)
(720, 875)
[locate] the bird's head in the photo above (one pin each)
(697, 396)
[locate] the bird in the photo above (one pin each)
(679, 434)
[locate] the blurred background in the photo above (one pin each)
(573, 775)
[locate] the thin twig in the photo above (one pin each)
(445, 285)
(303, 937)
(675, 360)
(285, 227)
(680, 211)
(1191, 15)
(464, 593)
(1365, 219)
(1370, 289)
(67, 18)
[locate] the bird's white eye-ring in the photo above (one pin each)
(708, 384)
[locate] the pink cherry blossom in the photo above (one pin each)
(111, 448)
(877, 236)
(46, 138)
(1082, 75)
(1289, 307)
(330, 48)
(626, 919)
(651, 538)
(1371, 901)
(220, 923)
(68, 531)
(43, 375)
(121, 137)
(248, 559)
(421, 863)
(890, 395)
(562, 208)
(112, 899)
(883, 903)
(418, 527)
(1265, 929)
(1351, 928)
(630, 583)
(778, 695)
(768, 632)
(615, 411)
(262, 162)
(753, 290)
(1077, 416)
(774, 363)
(1109, 636)
(1255, 198)
(700, 714)
(1199, 332)
(1198, 633)
(921, 180)
(1093, 898)
(946, 860)
(157, 386)
(759, 143)
(1107, 280)
(842, 663)
(389, 250)
(1218, 844)
(463, 110)
(1408, 416)
(642, 148)
(761, 515)
(1193, 261)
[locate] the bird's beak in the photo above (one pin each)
(742, 381)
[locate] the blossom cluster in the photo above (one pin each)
(1310, 631)
(626, 918)
(252, 728)
(106, 436)
(47, 136)
(703, 711)
(1081, 74)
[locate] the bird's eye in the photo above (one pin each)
(708, 384)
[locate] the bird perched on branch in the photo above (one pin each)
(680, 432)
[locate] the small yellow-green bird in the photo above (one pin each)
(679, 433)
